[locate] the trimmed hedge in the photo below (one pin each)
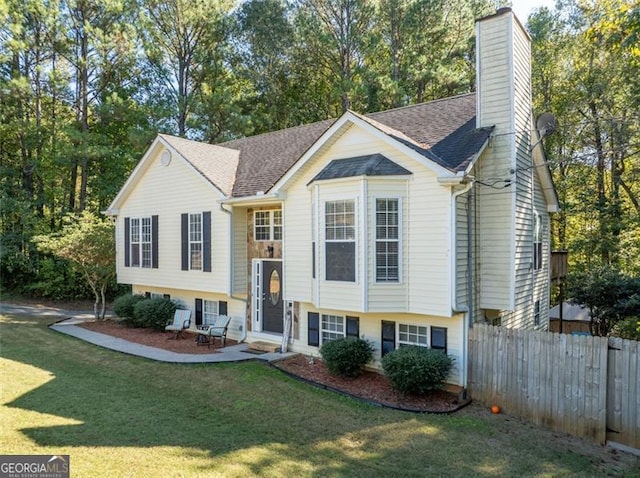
(416, 369)
(154, 313)
(347, 356)
(123, 307)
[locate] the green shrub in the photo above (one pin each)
(628, 328)
(154, 313)
(416, 369)
(347, 357)
(124, 305)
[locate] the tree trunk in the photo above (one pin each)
(104, 301)
(601, 171)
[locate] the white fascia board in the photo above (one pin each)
(256, 200)
(544, 173)
(477, 156)
(133, 177)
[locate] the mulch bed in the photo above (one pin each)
(371, 387)
(155, 338)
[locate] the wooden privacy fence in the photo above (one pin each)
(581, 385)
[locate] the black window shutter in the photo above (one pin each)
(198, 312)
(222, 308)
(313, 326)
(353, 327)
(166, 296)
(147, 295)
(206, 241)
(184, 231)
(154, 242)
(388, 336)
(127, 242)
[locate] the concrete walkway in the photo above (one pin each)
(68, 326)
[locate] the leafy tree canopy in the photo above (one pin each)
(88, 241)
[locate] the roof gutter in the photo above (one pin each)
(256, 199)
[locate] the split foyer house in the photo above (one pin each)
(402, 227)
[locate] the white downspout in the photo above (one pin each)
(454, 219)
(454, 295)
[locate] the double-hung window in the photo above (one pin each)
(195, 241)
(340, 240)
(537, 241)
(387, 240)
(140, 246)
(267, 225)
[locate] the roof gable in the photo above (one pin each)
(216, 164)
(211, 163)
(442, 132)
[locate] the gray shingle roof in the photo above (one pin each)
(373, 165)
(266, 157)
(217, 164)
(443, 131)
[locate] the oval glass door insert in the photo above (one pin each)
(274, 287)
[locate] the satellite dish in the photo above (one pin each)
(546, 124)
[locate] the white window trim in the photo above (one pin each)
(323, 330)
(271, 217)
(375, 240)
(140, 242)
(538, 233)
(408, 342)
(200, 242)
(322, 212)
(209, 315)
(537, 315)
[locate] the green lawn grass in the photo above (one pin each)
(117, 415)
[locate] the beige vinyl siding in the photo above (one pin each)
(429, 223)
(541, 280)
(186, 300)
(241, 267)
(532, 285)
(462, 249)
(426, 244)
(169, 191)
(504, 100)
(387, 296)
(495, 224)
(296, 245)
(341, 294)
(370, 329)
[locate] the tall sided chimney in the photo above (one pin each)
(503, 68)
